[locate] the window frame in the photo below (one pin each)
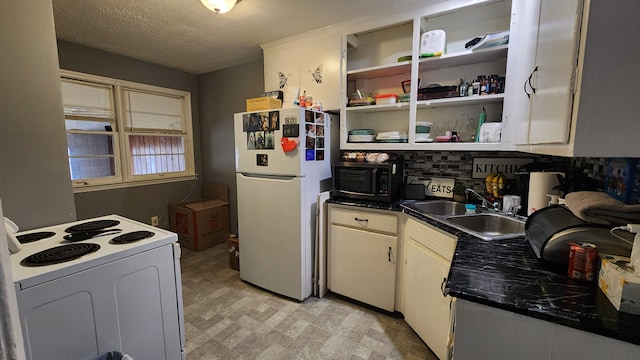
(122, 153)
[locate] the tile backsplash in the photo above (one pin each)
(459, 164)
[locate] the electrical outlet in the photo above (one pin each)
(154, 221)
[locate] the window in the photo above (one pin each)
(121, 133)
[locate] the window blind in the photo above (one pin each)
(86, 100)
(146, 111)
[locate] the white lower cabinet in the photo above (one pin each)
(488, 333)
(362, 255)
(427, 258)
(365, 258)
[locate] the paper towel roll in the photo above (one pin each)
(541, 184)
(635, 254)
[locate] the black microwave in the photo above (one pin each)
(368, 181)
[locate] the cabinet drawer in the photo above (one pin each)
(436, 240)
(368, 220)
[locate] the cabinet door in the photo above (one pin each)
(427, 310)
(320, 70)
(523, 35)
(282, 72)
(362, 266)
(310, 64)
(554, 79)
(515, 336)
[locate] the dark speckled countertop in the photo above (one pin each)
(506, 274)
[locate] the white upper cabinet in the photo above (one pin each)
(552, 79)
(542, 70)
(381, 54)
(310, 64)
(570, 69)
(580, 67)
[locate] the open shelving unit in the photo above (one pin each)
(372, 69)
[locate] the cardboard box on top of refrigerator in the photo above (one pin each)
(620, 283)
(263, 103)
(203, 223)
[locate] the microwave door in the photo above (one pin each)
(354, 180)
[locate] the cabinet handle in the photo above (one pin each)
(389, 254)
(444, 293)
(361, 220)
(528, 81)
(530, 77)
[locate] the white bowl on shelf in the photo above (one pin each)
(423, 137)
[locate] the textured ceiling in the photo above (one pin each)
(184, 35)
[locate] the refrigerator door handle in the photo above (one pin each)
(268, 176)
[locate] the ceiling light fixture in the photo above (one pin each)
(219, 6)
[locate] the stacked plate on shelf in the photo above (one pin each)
(392, 137)
(423, 130)
(361, 135)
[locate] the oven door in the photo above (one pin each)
(128, 305)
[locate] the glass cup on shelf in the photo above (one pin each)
(467, 129)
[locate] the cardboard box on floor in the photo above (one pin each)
(203, 223)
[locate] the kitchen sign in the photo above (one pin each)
(508, 166)
(441, 187)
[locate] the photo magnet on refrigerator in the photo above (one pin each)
(262, 160)
(291, 130)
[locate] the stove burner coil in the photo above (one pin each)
(92, 225)
(60, 254)
(31, 237)
(84, 235)
(131, 237)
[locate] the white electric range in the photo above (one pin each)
(99, 285)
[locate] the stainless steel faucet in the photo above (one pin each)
(484, 201)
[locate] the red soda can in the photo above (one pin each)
(583, 258)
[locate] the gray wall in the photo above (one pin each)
(35, 184)
(139, 202)
(223, 93)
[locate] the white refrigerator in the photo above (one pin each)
(282, 156)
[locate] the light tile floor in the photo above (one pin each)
(226, 318)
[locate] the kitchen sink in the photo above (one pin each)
(438, 207)
(486, 224)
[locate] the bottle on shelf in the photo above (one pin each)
(481, 120)
(463, 88)
(484, 84)
(475, 87)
